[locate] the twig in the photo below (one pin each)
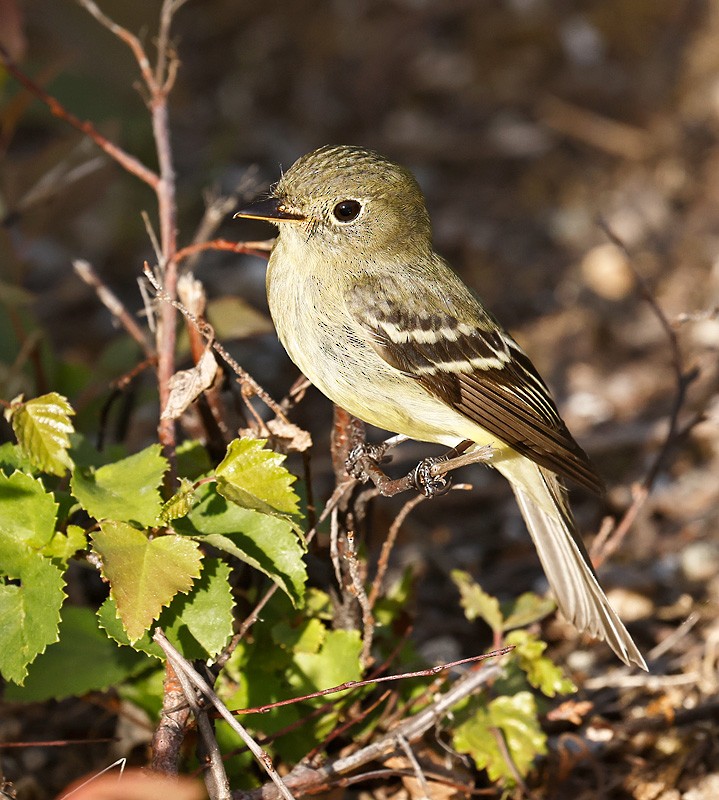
(404, 744)
(612, 538)
(114, 305)
(302, 779)
(361, 595)
(123, 158)
(170, 731)
(180, 664)
(259, 249)
(206, 330)
(218, 786)
(388, 545)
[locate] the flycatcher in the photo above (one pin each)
(382, 325)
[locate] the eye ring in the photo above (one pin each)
(347, 211)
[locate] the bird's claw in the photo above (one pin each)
(353, 463)
(430, 485)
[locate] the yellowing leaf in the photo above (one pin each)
(476, 602)
(144, 574)
(253, 477)
(515, 719)
(542, 673)
(43, 429)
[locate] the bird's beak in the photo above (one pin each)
(269, 210)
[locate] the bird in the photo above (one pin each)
(382, 325)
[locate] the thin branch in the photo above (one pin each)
(260, 249)
(128, 38)
(180, 664)
(124, 159)
(361, 595)
(388, 545)
(113, 304)
(218, 786)
(405, 745)
(302, 779)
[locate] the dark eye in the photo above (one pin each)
(347, 210)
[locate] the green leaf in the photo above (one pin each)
(476, 602)
(254, 477)
(144, 574)
(514, 718)
(304, 636)
(180, 503)
(526, 609)
(199, 624)
(30, 611)
(12, 458)
(127, 490)
(542, 673)
(63, 546)
(84, 660)
(264, 542)
(43, 429)
(109, 621)
(337, 661)
(27, 511)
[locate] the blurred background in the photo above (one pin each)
(531, 125)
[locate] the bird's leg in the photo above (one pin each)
(429, 476)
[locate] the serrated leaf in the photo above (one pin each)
(264, 542)
(144, 574)
(63, 546)
(109, 621)
(43, 427)
(27, 511)
(12, 458)
(127, 490)
(180, 503)
(476, 602)
(526, 609)
(30, 611)
(337, 661)
(198, 624)
(83, 660)
(253, 477)
(542, 673)
(513, 717)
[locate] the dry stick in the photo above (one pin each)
(361, 595)
(113, 304)
(388, 544)
(124, 159)
(421, 779)
(304, 780)
(181, 664)
(206, 330)
(218, 786)
(259, 249)
(683, 377)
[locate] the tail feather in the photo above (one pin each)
(541, 499)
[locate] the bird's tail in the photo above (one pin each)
(542, 501)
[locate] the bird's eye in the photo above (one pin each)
(347, 210)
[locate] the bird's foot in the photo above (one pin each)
(362, 457)
(425, 481)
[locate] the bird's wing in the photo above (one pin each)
(459, 354)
